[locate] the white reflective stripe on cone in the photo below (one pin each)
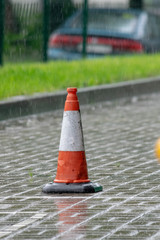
(71, 134)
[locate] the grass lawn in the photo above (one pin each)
(30, 78)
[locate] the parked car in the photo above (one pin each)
(110, 31)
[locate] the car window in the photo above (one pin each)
(157, 26)
(152, 29)
(119, 22)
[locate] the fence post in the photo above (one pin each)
(138, 4)
(1, 30)
(45, 28)
(85, 22)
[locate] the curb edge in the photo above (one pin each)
(23, 106)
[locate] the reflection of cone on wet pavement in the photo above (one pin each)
(71, 212)
(72, 174)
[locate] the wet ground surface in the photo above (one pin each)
(119, 142)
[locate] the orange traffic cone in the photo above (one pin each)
(72, 174)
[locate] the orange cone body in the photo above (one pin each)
(72, 166)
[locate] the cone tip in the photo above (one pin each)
(71, 90)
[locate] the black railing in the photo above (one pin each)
(1, 30)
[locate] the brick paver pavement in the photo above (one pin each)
(119, 141)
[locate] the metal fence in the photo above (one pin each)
(25, 25)
(23, 31)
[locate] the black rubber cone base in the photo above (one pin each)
(72, 188)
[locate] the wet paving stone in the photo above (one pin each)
(119, 141)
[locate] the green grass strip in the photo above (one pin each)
(30, 78)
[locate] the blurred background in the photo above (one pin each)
(27, 27)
